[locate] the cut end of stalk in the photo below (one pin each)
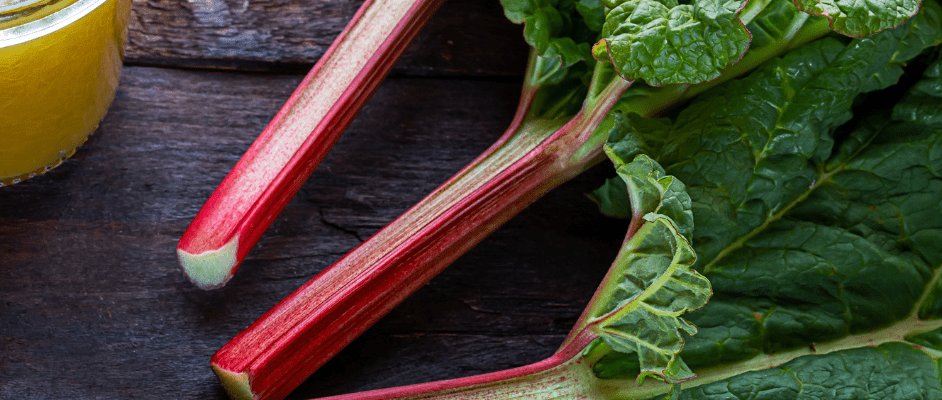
(210, 269)
(236, 383)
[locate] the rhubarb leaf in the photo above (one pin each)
(652, 192)
(924, 98)
(832, 287)
(593, 13)
(562, 29)
(652, 281)
(612, 198)
(778, 21)
(855, 264)
(623, 144)
(861, 18)
(665, 42)
(562, 90)
(748, 148)
(891, 371)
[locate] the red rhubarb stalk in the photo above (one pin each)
(289, 342)
(286, 153)
(657, 260)
(293, 339)
(564, 375)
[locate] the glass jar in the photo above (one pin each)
(60, 61)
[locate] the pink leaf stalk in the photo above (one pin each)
(564, 375)
(293, 339)
(568, 373)
(286, 153)
(296, 337)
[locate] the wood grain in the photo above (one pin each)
(465, 38)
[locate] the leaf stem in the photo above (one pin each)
(564, 375)
(927, 292)
(752, 9)
(797, 23)
(893, 333)
(807, 30)
(293, 339)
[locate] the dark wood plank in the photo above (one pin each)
(464, 38)
(93, 305)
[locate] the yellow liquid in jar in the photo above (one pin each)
(59, 67)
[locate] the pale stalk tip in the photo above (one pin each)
(210, 269)
(236, 383)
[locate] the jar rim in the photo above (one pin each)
(30, 30)
(17, 5)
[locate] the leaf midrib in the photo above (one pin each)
(632, 304)
(896, 332)
(823, 178)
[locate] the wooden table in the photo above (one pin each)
(93, 304)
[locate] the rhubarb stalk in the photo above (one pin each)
(260, 185)
(537, 153)
(548, 142)
(650, 284)
(293, 339)
(776, 276)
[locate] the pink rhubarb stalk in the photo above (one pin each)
(564, 375)
(296, 337)
(567, 374)
(293, 339)
(286, 153)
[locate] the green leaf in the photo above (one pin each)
(751, 150)
(774, 22)
(663, 42)
(931, 340)
(924, 100)
(652, 192)
(561, 90)
(819, 233)
(517, 10)
(748, 148)
(593, 13)
(612, 198)
(560, 29)
(861, 18)
(652, 283)
(892, 371)
(859, 252)
(541, 31)
(633, 135)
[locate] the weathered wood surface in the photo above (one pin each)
(93, 304)
(465, 37)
